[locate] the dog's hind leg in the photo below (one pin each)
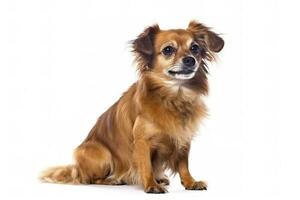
(94, 162)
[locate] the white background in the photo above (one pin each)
(63, 63)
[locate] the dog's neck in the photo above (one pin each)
(172, 95)
(159, 87)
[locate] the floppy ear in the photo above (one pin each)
(213, 41)
(143, 47)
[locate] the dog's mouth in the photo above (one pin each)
(185, 71)
(178, 72)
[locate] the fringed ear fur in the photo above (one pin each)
(213, 41)
(143, 47)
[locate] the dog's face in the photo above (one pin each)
(176, 54)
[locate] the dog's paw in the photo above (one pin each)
(197, 185)
(156, 188)
(163, 181)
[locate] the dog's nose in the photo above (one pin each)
(188, 61)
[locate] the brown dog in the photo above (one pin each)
(149, 129)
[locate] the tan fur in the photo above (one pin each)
(150, 128)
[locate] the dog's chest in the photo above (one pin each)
(175, 118)
(179, 119)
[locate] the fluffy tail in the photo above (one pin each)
(64, 174)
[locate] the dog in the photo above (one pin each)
(150, 128)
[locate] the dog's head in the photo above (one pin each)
(176, 54)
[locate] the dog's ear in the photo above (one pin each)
(143, 47)
(213, 41)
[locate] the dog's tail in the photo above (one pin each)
(65, 174)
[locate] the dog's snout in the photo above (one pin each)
(189, 61)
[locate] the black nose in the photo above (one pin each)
(188, 61)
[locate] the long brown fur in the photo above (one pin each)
(149, 129)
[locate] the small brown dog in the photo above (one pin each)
(149, 129)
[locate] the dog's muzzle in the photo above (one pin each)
(186, 70)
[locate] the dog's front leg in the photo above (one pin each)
(186, 179)
(142, 157)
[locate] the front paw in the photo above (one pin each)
(155, 188)
(196, 185)
(163, 181)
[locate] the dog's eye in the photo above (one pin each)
(168, 51)
(195, 49)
